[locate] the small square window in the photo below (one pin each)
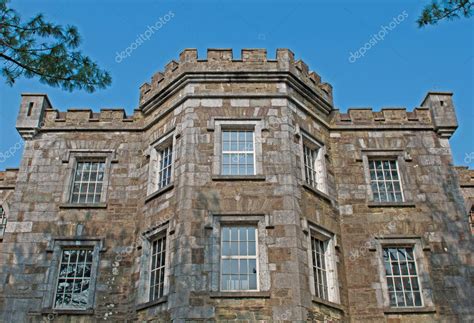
(238, 152)
(401, 272)
(87, 182)
(73, 283)
(239, 268)
(385, 181)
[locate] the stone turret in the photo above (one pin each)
(31, 113)
(442, 112)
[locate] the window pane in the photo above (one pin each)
(240, 160)
(238, 266)
(73, 279)
(385, 182)
(88, 177)
(157, 267)
(400, 272)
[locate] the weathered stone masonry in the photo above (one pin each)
(189, 105)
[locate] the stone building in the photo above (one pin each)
(236, 191)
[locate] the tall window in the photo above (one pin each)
(310, 156)
(3, 221)
(239, 258)
(238, 152)
(74, 279)
(164, 171)
(157, 272)
(87, 183)
(319, 251)
(385, 181)
(402, 277)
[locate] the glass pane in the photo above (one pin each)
(252, 248)
(234, 264)
(243, 268)
(226, 269)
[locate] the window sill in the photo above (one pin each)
(46, 311)
(329, 304)
(155, 302)
(410, 310)
(159, 192)
(317, 192)
(83, 206)
(391, 204)
(239, 295)
(238, 178)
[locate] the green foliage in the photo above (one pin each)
(37, 48)
(446, 9)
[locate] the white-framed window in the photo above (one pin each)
(3, 221)
(237, 147)
(310, 156)
(153, 283)
(73, 283)
(239, 258)
(319, 252)
(161, 166)
(157, 267)
(238, 152)
(313, 164)
(165, 165)
(385, 180)
(87, 181)
(401, 273)
(322, 260)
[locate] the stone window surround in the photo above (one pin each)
(401, 156)
(56, 247)
(167, 139)
(214, 253)
(143, 296)
(255, 124)
(422, 265)
(332, 279)
(305, 138)
(71, 159)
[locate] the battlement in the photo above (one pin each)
(387, 116)
(221, 61)
(8, 178)
(71, 117)
(465, 175)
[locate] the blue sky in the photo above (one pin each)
(395, 71)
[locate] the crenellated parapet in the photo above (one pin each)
(8, 178)
(74, 117)
(220, 64)
(436, 112)
(387, 116)
(37, 112)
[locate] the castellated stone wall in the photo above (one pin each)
(188, 106)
